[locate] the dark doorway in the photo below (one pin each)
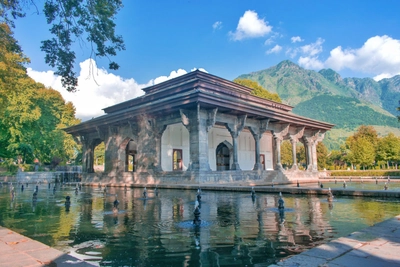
(223, 157)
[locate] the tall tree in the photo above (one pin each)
(322, 155)
(258, 90)
(286, 153)
(388, 149)
(31, 116)
(72, 21)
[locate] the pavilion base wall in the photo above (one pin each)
(204, 177)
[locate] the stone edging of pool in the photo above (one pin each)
(19, 250)
(263, 189)
(377, 245)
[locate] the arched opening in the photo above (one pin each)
(130, 158)
(99, 152)
(224, 156)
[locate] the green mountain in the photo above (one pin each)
(325, 95)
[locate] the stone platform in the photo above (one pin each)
(18, 250)
(378, 245)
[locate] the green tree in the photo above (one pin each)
(322, 155)
(258, 90)
(99, 153)
(336, 160)
(361, 146)
(31, 116)
(388, 149)
(72, 21)
(301, 155)
(286, 153)
(363, 152)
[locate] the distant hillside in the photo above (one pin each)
(324, 95)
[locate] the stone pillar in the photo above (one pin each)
(294, 152)
(279, 133)
(318, 137)
(197, 122)
(308, 142)
(87, 156)
(257, 133)
(147, 157)
(235, 129)
(158, 132)
(113, 161)
(278, 141)
(294, 139)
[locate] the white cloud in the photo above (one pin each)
(383, 76)
(250, 26)
(310, 63)
(309, 58)
(276, 49)
(217, 25)
(379, 55)
(296, 39)
(272, 38)
(292, 52)
(313, 49)
(97, 89)
(172, 75)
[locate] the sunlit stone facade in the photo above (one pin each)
(198, 128)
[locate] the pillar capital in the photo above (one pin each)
(237, 126)
(279, 131)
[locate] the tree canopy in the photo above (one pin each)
(258, 90)
(71, 21)
(31, 116)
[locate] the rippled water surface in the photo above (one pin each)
(235, 230)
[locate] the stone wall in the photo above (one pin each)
(205, 177)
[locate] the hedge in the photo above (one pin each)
(366, 173)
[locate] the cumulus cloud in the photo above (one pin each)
(379, 56)
(313, 49)
(296, 39)
(217, 25)
(276, 49)
(310, 63)
(250, 26)
(97, 89)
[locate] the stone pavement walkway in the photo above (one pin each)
(18, 250)
(378, 245)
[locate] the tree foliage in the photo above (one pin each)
(286, 153)
(31, 116)
(70, 21)
(322, 155)
(362, 146)
(258, 90)
(388, 149)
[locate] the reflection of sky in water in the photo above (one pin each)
(235, 229)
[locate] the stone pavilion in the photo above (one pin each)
(198, 128)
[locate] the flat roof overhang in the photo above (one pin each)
(190, 95)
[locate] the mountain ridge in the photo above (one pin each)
(326, 96)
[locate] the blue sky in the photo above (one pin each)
(227, 38)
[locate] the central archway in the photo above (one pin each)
(224, 156)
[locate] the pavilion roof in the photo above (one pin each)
(198, 88)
